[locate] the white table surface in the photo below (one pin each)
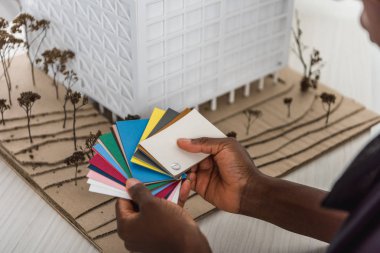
(29, 224)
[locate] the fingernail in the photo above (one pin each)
(184, 140)
(131, 182)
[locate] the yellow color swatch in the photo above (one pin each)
(156, 116)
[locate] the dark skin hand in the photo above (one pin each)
(158, 225)
(222, 177)
(230, 180)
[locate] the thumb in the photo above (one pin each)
(204, 145)
(138, 192)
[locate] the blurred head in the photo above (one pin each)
(371, 19)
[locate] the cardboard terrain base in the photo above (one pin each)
(277, 143)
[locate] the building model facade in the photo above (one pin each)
(133, 55)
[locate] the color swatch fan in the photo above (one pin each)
(146, 149)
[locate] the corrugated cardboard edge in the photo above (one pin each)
(5, 155)
(370, 125)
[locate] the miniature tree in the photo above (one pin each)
(91, 141)
(132, 117)
(232, 134)
(55, 62)
(71, 79)
(77, 158)
(35, 31)
(75, 99)
(8, 45)
(328, 99)
(26, 102)
(288, 102)
(3, 107)
(311, 71)
(251, 116)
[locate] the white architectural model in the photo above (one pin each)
(133, 55)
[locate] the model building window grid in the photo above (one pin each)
(164, 53)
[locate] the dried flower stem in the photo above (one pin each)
(3, 107)
(29, 25)
(75, 98)
(328, 99)
(77, 158)
(251, 116)
(26, 102)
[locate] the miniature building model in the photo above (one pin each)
(133, 55)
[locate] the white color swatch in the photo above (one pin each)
(163, 146)
(174, 196)
(98, 187)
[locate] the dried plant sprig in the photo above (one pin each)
(232, 134)
(251, 116)
(3, 107)
(3, 23)
(91, 141)
(71, 79)
(328, 99)
(35, 31)
(78, 101)
(55, 61)
(8, 48)
(77, 158)
(26, 102)
(312, 69)
(132, 117)
(288, 102)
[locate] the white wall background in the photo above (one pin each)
(352, 61)
(9, 8)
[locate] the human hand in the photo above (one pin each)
(158, 225)
(222, 177)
